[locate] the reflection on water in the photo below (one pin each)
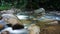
(18, 31)
(54, 17)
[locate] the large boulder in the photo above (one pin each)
(10, 18)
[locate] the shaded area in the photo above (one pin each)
(51, 29)
(30, 4)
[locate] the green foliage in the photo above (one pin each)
(5, 7)
(21, 4)
(7, 4)
(34, 4)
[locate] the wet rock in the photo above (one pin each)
(34, 29)
(10, 18)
